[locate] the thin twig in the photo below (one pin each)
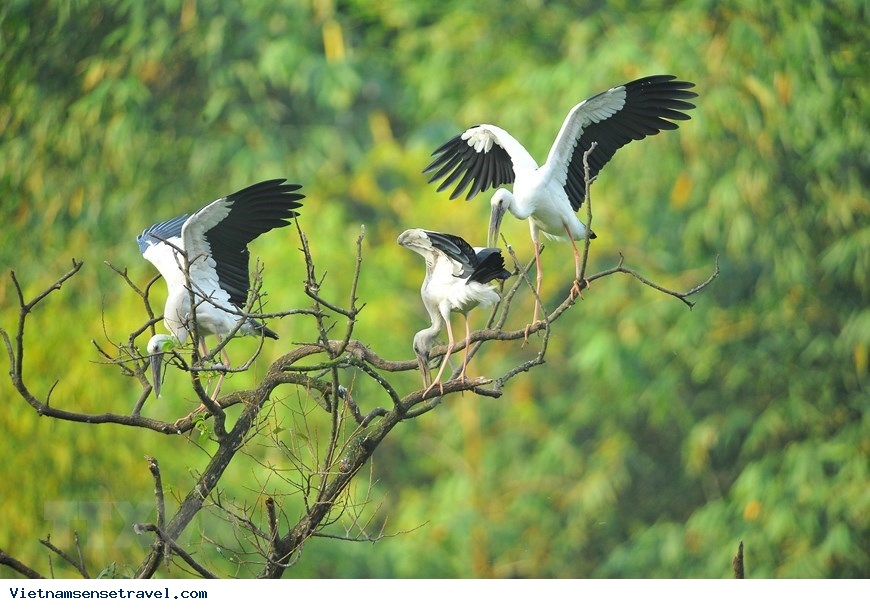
(177, 549)
(737, 562)
(77, 564)
(682, 296)
(273, 519)
(154, 468)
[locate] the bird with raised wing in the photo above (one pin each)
(204, 260)
(549, 196)
(457, 279)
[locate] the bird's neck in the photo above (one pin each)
(425, 338)
(519, 206)
(176, 313)
(435, 318)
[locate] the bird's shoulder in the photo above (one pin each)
(483, 137)
(452, 246)
(599, 107)
(207, 217)
(160, 232)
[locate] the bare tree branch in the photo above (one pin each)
(77, 563)
(18, 566)
(737, 562)
(177, 549)
(319, 474)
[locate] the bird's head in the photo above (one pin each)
(157, 348)
(424, 340)
(501, 202)
(415, 239)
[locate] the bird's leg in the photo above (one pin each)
(204, 350)
(467, 349)
(539, 277)
(576, 290)
(225, 361)
(450, 344)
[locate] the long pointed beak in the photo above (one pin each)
(423, 362)
(495, 218)
(156, 372)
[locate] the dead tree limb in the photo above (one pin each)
(356, 426)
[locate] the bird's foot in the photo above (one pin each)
(187, 420)
(432, 386)
(528, 331)
(462, 378)
(577, 290)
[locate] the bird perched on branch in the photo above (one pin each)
(204, 260)
(486, 156)
(457, 278)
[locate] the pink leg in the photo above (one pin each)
(450, 344)
(220, 381)
(467, 349)
(539, 277)
(575, 289)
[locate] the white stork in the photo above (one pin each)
(457, 278)
(486, 156)
(212, 245)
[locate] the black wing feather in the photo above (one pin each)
(254, 210)
(456, 248)
(161, 232)
(490, 265)
(482, 266)
(651, 103)
(476, 171)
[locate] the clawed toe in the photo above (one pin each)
(576, 290)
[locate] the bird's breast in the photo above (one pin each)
(473, 295)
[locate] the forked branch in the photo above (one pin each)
(357, 421)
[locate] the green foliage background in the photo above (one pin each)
(654, 439)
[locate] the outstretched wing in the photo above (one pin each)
(216, 237)
(482, 157)
(612, 119)
(456, 248)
